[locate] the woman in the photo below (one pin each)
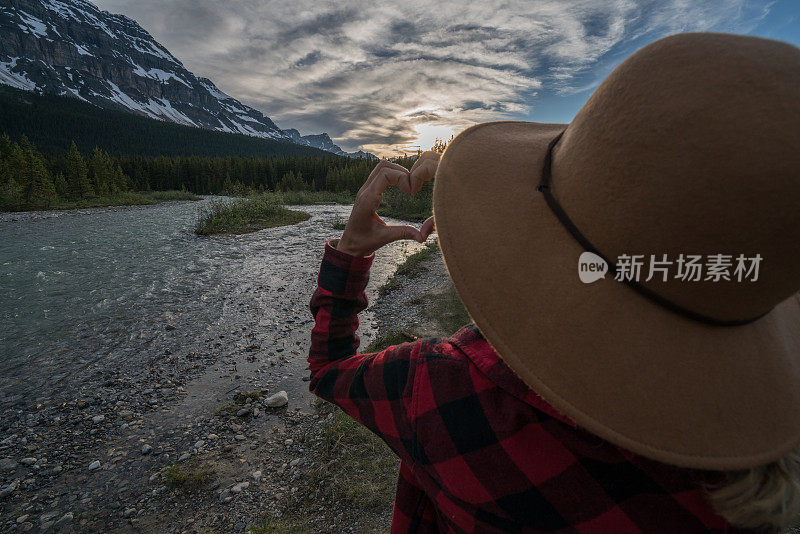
(576, 404)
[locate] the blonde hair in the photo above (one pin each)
(764, 497)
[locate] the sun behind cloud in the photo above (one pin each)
(428, 133)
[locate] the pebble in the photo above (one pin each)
(257, 476)
(199, 444)
(244, 412)
(28, 461)
(7, 464)
(146, 449)
(240, 437)
(8, 490)
(98, 419)
(47, 516)
(277, 400)
(94, 465)
(240, 486)
(294, 462)
(184, 456)
(212, 436)
(22, 518)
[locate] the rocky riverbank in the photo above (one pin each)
(202, 441)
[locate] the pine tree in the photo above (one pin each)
(39, 189)
(62, 189)
(78, 174)
(10, 194)
(119, 181)
(100, 173)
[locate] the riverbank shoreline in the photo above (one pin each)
(97, 450)
(133, 198)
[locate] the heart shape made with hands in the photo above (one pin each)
(365, 231)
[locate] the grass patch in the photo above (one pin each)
(355, 464)
(413, 264)
(298, 198)
(410, 268)
(389, 286)
(255, 395)
(339, 224)
(271, 525)
(127, 198)
(445, 308)
(387, 340)
(244, 215)
(226, 409)
(190, 476)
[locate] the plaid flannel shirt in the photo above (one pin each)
(479, 450)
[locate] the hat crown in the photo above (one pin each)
(692, 146)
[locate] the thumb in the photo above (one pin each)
(427, 228)
(396, 233)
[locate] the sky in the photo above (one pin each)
(388, 77)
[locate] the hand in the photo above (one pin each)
(365, 231)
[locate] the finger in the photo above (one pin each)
(404, 184)
(380, 167)
(428, 154)
(425, 172)
(396, 233)
(427, 228)
(387, 177)
(369, 197)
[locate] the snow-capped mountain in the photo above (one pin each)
(72, 48)
(324, 142)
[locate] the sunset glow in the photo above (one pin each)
(428, 133)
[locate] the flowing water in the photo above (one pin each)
(117, 288)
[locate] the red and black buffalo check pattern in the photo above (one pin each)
(480, 451)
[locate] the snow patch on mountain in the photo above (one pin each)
(82, 50)
(32, 24)
(15, 79)
(111, 61)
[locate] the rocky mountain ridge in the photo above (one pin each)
(72, 48)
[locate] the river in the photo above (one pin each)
(88, 291)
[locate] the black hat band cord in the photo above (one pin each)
(561, 215)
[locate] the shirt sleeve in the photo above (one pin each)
(374, 389)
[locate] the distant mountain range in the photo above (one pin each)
(71, 48)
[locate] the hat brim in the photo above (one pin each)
(619, 365)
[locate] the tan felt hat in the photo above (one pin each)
(691, 146)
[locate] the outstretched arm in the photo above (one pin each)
(375, 389)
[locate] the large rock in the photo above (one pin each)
(277, 400)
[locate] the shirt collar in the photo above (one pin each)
(472, 343)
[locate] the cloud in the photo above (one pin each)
(373, 73)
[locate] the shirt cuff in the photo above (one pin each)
(343, 274)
